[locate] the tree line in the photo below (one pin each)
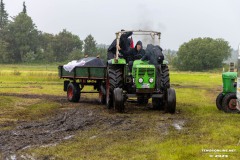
(22, 42)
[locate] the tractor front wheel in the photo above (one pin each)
(229, 103)
(118, 100)
(171, 101)
(219, 100)
(73, 92)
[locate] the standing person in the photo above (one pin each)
(124, 44)
(155, 56)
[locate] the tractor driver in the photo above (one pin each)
(133, 54)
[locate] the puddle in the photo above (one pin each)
(178, 125)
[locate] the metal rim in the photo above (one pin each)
(232, 104)
(70, 93)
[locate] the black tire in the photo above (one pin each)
(229, 103)
(142, 100)
(219, 100)
(165, 79)
(114, 80)
(171, 101)
(73, 92)
(157, 104)
(118, 100)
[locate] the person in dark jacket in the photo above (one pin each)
(134, 54)
(138, 52)
(155, 56)
(124, 44)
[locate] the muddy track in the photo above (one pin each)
(68, 121)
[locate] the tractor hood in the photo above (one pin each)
(230, 75)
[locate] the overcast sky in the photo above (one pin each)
(178, 20)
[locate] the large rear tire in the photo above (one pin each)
(219, 100)
(114, 80)
(229, 103)
(165, 80)
(73, 92)
(171, 101)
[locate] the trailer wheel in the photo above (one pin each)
(229, 103)
(118, 100)
(142, 100)
(219, 100)
(114, 80)
(171, 101)
(165, 80)
(157, 104)
(73, 92)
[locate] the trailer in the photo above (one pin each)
(81, 76)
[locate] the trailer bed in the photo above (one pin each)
(83, 72)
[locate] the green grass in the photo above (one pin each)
(204, 126)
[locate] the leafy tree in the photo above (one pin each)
(22, 37)
(202, 54)
(102, 53)
(90, 46)
(5, 57)
(65, 43)
(169, 55)
(3, 16)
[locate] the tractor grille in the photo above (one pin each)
(142, 71)
(150, 72)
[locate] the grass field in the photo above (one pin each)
(140, 133)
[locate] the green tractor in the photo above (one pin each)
(227, 99)
(140, 82)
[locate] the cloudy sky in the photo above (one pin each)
(178, 20)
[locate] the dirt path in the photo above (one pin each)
(66, 122)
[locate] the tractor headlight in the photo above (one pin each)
(140, 80)
(151, 80)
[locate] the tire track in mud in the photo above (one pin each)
(68, 121)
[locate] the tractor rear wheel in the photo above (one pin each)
(73, 92)
(165, 80)
(171, 101)
(118, 100)
(114, 80)
(219, 100)
(229, 103)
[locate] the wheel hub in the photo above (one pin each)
(70, 93)
(232, 104)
